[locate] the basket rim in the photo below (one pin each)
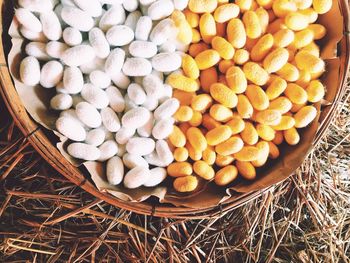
(36, 136)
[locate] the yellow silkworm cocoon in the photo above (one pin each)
(296, 21)
(209, 155)
(183, 97)
(181, 154)
(264, 154)
(196, 119)
(223, 161)
(223, 47)
(197, 48)
(274, 61)
(289, 72)
(318, 30)
(185, 184)
(218, 135)
(224, 65)
(226, 175)
(295, 93)
(305, 116)
(226, 12)
(315, 91)
(184, 29)
(209, 123)
(276, 88)
(274, 152)
(263, 17)
(304, 78)
(283, 7)
(286, 123)
(282, 104)
(278, 138)
(208, 77)
(309, 62)
(236, 124)
(265, 3)
(244, 107)
(310, 13)
(192, 18)
(201, 102)
(249, 134)
(177, 137)
(257, 97)
(207, 59)
(179, 169)
(181, 82)
(291, 136)
(207, 27)
(190, 68)
(241, 56)
(316, 75)
(223, 95)
(262, 48)
(312, 48)
(265, 132)
(244, 5)
(196, 139)
(276, 25)
(194, 153)
(236, 79)
(322, 6)
(202, 6)
(196, 36)
(231, 146)
(204, 170)
(303, 4)
(283, 37)
(246, 170)
(220, 112)
(303, 38)
(236, 33)
(269, 117)
(255, 73)
(184, 113)
(247, 154)
(252, 24)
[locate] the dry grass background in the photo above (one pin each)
(45, 218)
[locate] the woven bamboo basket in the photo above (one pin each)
(39, 139)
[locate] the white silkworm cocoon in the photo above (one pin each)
(51, 25)
(140, 146)
(95, 137)
(73, 80)
(136, 93)
(163, 128)
(142, 49)
(71, 128)
(115, 61)
(78, 55)
(164, 152)
(29, 71)
(55, 49)
(61, 102)
(51, 74)
(115, 170)
(114, 16)
(153, 86)
(38, 50)
(88, 114)
(124, 134)
(136, 177)
(119, 35)
(108, 149)
(83, 151)
(157, 176)
(95, 96)
(133, 160)
(163, 31)
(166, 109)
(99, 42)
(143, 28)
(28, 19)
(137, 67)
(100, 79)
(110, 120)
(72, 36)
(77, 18)
(146, 130)
(160, 9)
(92, 7)
(116, 99)
(135, 118)
(166, 62)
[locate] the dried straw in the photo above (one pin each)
(45, 218)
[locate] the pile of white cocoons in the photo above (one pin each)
(108, 61)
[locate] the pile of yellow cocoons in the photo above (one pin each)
(249, 81)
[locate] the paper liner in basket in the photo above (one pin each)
(36, 101)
